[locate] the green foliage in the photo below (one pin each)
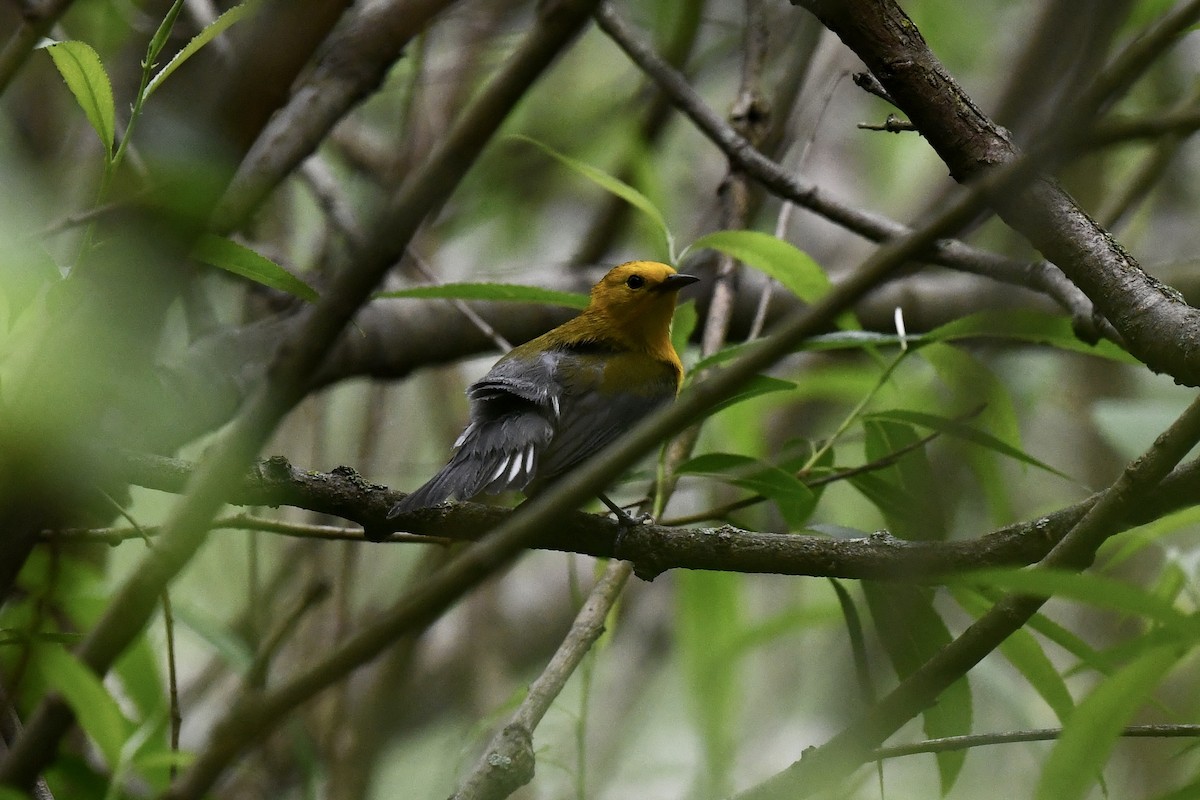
(241, 260)
(97, 711)
(497, 292)
(709, 614)
(1081, 753)
(210, 32)
(614, 186)
(911, 631)
(84, 75)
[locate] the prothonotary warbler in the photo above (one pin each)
(551, 403)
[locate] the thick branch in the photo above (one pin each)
(654, 549)
(1157, 326)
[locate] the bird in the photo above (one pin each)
(552, 402)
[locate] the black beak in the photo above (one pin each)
(673, 283)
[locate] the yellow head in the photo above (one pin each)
(636, 301)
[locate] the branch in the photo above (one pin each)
(951, 253)
(507, 764)
(354, 63)
(1156, 325)
(828, 765)
(250, 716)
(287, 382)
(39, 18)
(947, 744)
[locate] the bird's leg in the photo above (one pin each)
(622, 515)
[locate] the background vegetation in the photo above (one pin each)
(903, 429)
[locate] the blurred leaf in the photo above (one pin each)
(499, 292)
(1026, 654)
(904, 492)
(1121, 548)
(858, 643)
(1081, 752)
(911, 631)
(240, 260)
(755, 387)
(1026, 326)
(682, 325)
(977, 389)
(138, 671)
(965, 432)
(1086, 587)
(97, 711)
(794, 500)
(210, 32)
(229, 645)
(709, 624)
(17, 636)
(84, 74)
(613, 186)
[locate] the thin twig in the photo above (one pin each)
(507, 764)
(1040, 276)
(947, 744)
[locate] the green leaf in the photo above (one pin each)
(1036, 327)
(498, 292)
(97, 711)
(755, 387)
(227, 643)
(1025, 653)
(240, 260)
(965, 432)
(84, 74)
(18, 636)
(138, 671)
(783, 261)
(613, 186)
(1090, 588)
(210, 32)
(683, 324)
(906, 490)
(708, 626)
(911, 631)
(794, 500)
(159, 40)
(1082, 751)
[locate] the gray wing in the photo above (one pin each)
(513, 409)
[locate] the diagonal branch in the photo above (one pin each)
(807, 194)
(1156, 325)
(287, 381)
(828, 765)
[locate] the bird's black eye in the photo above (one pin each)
(635, 281)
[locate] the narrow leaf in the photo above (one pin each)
(159, 40)
(1089, 588)
(1035, 327)
(1082, 751)
(240, 260)
(610, 184)
(97, 711)
(794, 500)
(911, 631)
(783, 261)
(214, 29)
(84, 75)
(1025, 653)
(502, 292)
(961, 430)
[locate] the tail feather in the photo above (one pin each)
(493, 457)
